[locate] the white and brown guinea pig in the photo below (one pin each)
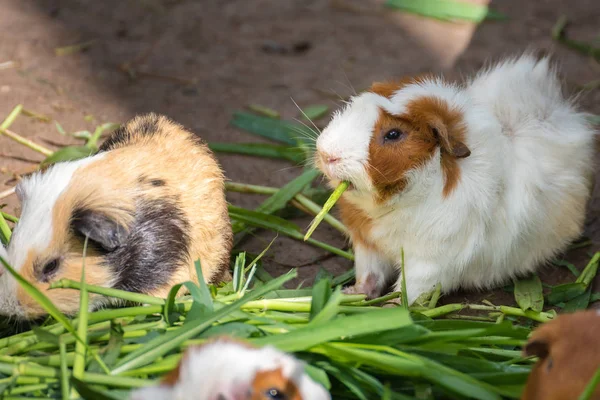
(227, 369)
(151, 202)
(568, 348)
(477, 182)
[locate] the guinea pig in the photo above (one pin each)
(568, 348)
(151, 202)
(226, 369)
(476, 183)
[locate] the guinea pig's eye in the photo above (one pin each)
(49, 270)
(392, 135)
(275, 394)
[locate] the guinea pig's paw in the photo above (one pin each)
(392, 303)
(368, 286)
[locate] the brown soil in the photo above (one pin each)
(213, 52)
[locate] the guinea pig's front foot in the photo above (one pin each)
(369, 286)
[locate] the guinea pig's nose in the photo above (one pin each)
(329, 158)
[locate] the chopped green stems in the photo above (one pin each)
(327, 247)
(38, 116)
(28, 388)
(309, 205)
(119, 294)
(26, 142)
(440, 311)
(9, 217)
(12, 117)
(17, 138)
(382, 299)
(590, 270)
(435, 297)
(82, 327)
(513, 311)
(64, 372)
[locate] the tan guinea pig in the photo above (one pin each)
(151, 201)
(569, 355)
(226, 369)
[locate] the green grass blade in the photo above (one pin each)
(315, 111)
(293, 154)
(378, 320)
(591, 387)
(5, 232)
(64, 372)
(82, 326)
(321, 293)
(281, 131)
(403, 293)
(238, 272)
(109, 292)
(330, 309)
(335, 196)
(287, 192)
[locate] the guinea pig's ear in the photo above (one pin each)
(537, 347)
(99, 228)
(447, 140)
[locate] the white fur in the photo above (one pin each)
(522, 192)
(38, 194)
(228, 369)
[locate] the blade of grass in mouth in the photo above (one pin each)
(335, 196)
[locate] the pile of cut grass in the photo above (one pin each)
(353, 346)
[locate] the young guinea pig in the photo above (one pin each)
(225, 369)
(151, 203)
(476, 183)
(569, 355)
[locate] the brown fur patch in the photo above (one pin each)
(427, 123)
(389, 88)
(357, 221)
(273, 380)
(569, 351)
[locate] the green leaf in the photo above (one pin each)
(315, 111)
(281, 131)
(287, 192)
(238, 272)
(321, 294)
(330, 309)
(565, 292)
(529, 293)
(45, 336)
(446, 10)
(580, 302)
(69, 153)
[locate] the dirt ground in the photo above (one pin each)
(198, 61)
